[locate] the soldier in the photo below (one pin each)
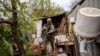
(49, 29)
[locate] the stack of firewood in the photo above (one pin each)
(63, 26)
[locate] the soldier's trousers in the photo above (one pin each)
(50, 39)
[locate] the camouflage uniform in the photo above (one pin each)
(49, 29)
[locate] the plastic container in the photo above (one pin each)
(88, 22)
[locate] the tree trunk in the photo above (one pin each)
(14, 29)
(18, 41)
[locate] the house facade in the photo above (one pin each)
(93, 48)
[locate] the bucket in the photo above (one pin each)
(88, 22)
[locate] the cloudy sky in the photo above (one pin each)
(66, 4)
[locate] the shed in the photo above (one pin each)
(60, 22)
(56, 19)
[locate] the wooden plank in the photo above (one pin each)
(65, 43)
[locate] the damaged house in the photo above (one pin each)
(62, 42)
(91, 45)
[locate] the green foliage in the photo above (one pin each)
(27, 12)
(28, 50)
(40, 7)
(5, 34)
(4, 51)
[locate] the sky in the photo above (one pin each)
(65, 4)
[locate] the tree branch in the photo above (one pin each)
(5, 21)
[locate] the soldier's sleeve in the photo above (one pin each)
(44, 27)
(52, 29)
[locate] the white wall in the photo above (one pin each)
(39, 27)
